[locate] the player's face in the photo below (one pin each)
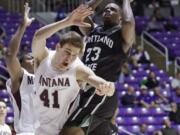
(3, 109)
(144, 91)
(167, 122)
(66, 55)
(28, 63)
(143, 128)
(111, 14)
(152, 75)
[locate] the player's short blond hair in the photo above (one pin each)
(72, 38)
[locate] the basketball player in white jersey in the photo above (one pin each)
(58, 72)
(20, 84)
(4, 128)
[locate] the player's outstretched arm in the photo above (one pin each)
(13, 64)
(75, 18)
(128, 25)
(93, 4)
(102, 86)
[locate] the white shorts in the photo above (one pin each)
(46, 130)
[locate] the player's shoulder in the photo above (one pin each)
(98, 27)
(49, 56)
(6, 127)
(77, 63)
(46, 60)
(51, 52)
(25, 72)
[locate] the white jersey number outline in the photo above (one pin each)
(96, 51)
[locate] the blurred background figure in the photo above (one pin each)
(2, 33)
(61, 10)
(176, 81)
(125, 72)
(151, 81)
(154, 25)
(2, 84)
(160, 100)
(129, 99)
(144, 99)
(4, 128)
(169, 26)
(142, 56)
(157, 15)
(175, 96)
(174, 115)
(142, 129)
(168, 129)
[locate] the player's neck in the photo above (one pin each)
(2, 121)
(108, 26)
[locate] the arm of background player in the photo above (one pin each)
(77, 17)
(128, 25)
(93, 4)
(102, 86)
(13, 64)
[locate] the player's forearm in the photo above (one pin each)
(94, 3)
(39, 49)
(15, 41)
(95, 81)
(127, 11)
(48, 30)
(128, 26)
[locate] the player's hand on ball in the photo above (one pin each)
(99, 92)
(107, 89)
(110, 89)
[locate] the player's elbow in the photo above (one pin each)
(9, 55)
(128, 44)
(130, 22)
(37, 35)
(34, 48)
(36, 41)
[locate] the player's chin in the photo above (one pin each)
(2, 114)
(107, 19)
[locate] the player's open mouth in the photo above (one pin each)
(65, 64)
(107, 14)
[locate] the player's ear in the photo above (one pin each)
(120, 18)
(120, 15)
